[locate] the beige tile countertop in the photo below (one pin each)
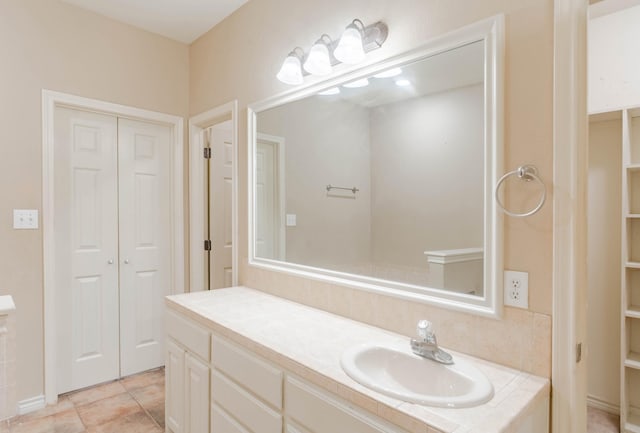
(309, 342)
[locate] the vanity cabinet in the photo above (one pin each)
(216, 386)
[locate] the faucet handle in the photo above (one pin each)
(425, 329)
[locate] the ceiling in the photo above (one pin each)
(182, 20)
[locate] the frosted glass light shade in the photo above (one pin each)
(350, 49)
(318, 61)
(291, 70)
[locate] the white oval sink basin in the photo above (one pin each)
(399, 373)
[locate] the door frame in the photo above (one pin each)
(197, 125)
(50, 101)
(568, 374)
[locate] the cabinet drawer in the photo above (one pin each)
(196, 339)
(221, 422)
(255, 415)
(321, 413)
(248, 370)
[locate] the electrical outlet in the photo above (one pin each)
(516, 289)
(25, 218)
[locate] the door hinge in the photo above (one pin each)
(207, 153)
(207, 245)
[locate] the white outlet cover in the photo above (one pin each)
(291, 220)
(516, 289)
(25, 219)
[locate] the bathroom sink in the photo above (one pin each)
(397, 372)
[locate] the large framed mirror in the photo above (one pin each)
(382, 178)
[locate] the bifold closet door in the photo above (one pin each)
(144, 238)
(86, 248)
(112, 217)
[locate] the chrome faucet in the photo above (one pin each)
(426, 345)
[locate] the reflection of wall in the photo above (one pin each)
(603, 260)
(331, 228)
(427, 169)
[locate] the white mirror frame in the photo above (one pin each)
(491, 31)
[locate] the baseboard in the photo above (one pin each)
(31, 404)
(603, 405)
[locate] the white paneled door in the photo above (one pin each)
(144, 167)
(221, 184)
(112, 261)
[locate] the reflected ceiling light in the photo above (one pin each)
(291, 70)
(331, 91)
(358, 83)
(402, 82)
(325, 53)
(350, 49)
(318, 61)
(389, 73)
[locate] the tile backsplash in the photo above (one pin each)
(521, 339)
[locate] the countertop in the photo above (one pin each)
(309, 342)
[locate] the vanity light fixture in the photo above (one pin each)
(358, 83)
(403, 82)
(350, 49)
(394, 72)
(318, 61)
(291, 70)
(355, 42)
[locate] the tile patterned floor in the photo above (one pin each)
(134, 404)
(599, 421)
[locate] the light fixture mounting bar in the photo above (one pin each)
(373, 36)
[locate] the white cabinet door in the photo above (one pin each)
(145, 250)
(196, 395)
(174, 384)
(86, 249)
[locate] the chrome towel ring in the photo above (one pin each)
(526, 173)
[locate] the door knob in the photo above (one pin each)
(126, 261)
(110, 261)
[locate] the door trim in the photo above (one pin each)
(281, 202)
(569, 403)
(197, 124)
(51, 100)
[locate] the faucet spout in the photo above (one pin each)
(427, 344)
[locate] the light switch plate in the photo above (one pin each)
(291, 220)
(25, 219)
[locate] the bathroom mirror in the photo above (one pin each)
(382, 178)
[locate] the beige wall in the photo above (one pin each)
(239, 59)
(614, 68)
(428, 191)
(46, 44)
(332, 229)
(603, 260)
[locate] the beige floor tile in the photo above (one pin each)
(599, 421)
(108, 409)
(4, 426)
(149, 395)
(157, 413)
(63, 422)
(96, 393)
(153, 377)
(136, 422)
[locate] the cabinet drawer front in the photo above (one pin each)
(248, 370)
(321, 413)
(256, 416)
(221, 422)
(196, 339)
